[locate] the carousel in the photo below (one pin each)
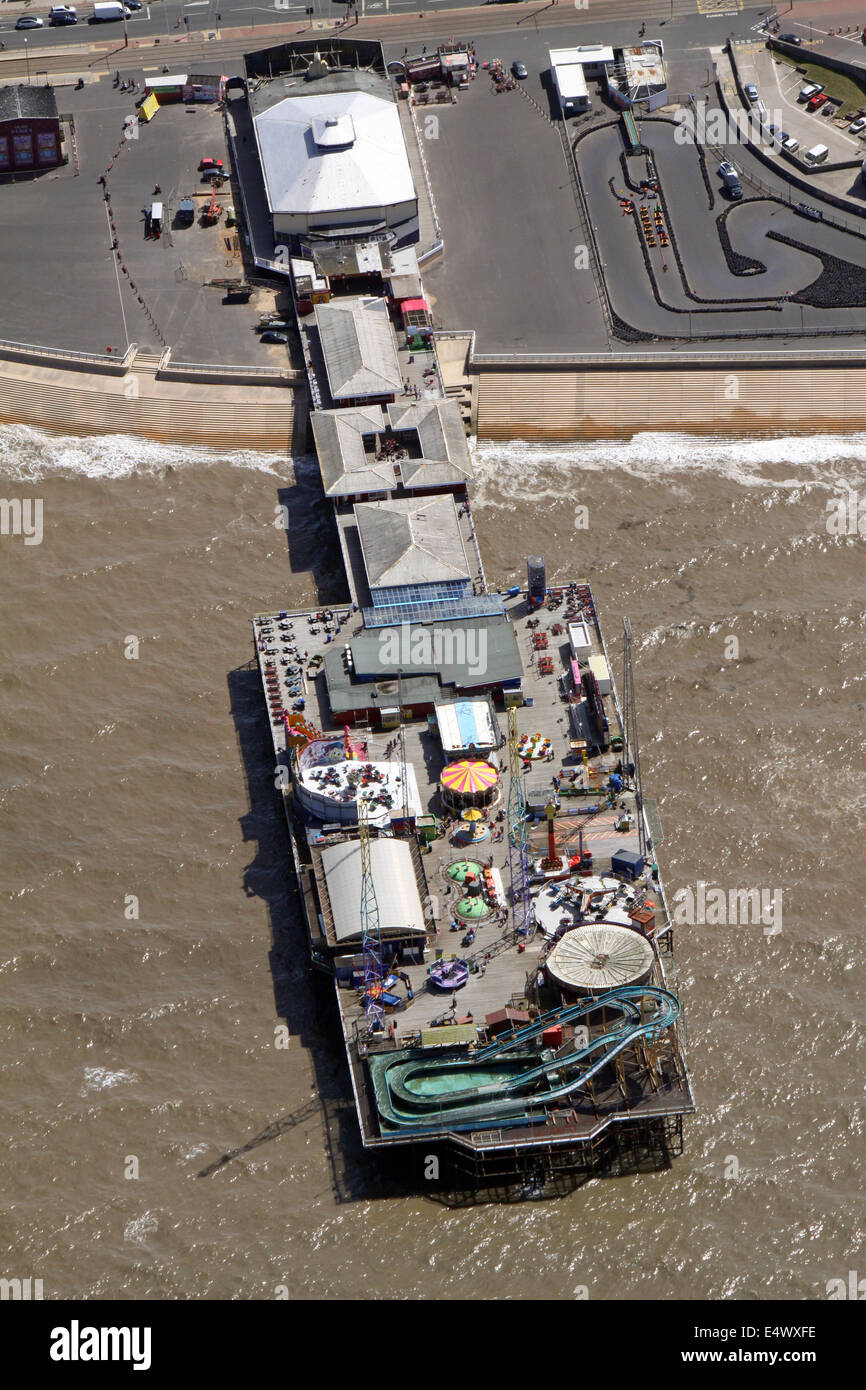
(474, 828)
(470, 784)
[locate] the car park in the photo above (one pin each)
(811, 89)
(29, 21)
(751, 91)
(856, 126)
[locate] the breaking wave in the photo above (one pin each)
(28, 454)
(514, 467)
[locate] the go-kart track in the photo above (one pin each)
(718, 269)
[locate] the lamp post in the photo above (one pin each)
(27, 61)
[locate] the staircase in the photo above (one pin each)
(147, 363)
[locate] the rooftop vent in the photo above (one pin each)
(334, 132)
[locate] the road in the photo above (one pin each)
(237, 25)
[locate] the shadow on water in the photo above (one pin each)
(303, 997)
(312, 539)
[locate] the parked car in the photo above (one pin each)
(731, 179)
(271, 337)
(791, 145)
(29, 21)
(211, 166)
(856, 126)
(751, 91)
(519, 69)
(817, 101)
(790, 38)
(810, 89)
(59, 17)
(273, 325)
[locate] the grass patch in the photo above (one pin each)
(851, 94)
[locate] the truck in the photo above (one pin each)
(112, 9)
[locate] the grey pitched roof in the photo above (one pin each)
(346, 469)
(439, 427)
(411, 540)
(17, 103)
(343, 462)
(359, 348)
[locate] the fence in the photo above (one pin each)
(436, 228)
(106, 361)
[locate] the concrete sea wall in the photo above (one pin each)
(572, 404)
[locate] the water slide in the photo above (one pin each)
(509, 1080)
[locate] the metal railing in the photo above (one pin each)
(70, 354)
(219, 369)
(436, 228)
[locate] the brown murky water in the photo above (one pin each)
(151, 1037)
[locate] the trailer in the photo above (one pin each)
(569, 79)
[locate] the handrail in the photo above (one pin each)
(436, 228)
(215, 369)
(71, 354)
(687, 358)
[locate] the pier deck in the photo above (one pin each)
(633, 1092)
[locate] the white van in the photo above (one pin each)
(760, 111)
(816, 155)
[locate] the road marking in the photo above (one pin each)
(719, 7)
(117, 275)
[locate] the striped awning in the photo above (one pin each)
(469, 775)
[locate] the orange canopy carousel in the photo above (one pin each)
(469, 782)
